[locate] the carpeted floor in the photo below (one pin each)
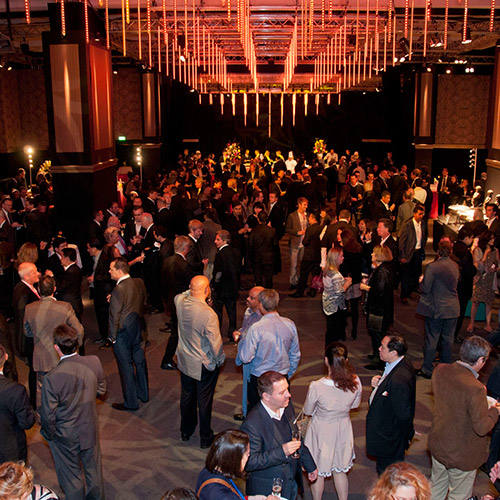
(143, 455)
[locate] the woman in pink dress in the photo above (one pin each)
(329, 436)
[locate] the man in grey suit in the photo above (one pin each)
(69, 417)
(126, 322)
(440, 305)
(405, 210)
(199, 357)
(40, 320)
(296, 225)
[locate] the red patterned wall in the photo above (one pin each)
(462, 109)
(23, 110)
(127, 116)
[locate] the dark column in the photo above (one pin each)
(424, 116)
(79, 109)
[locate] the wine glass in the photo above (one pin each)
(296, 437)
(277, 486)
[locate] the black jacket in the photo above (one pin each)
(389, 422)
(69, 288)
(226, 273)
(380, 299)
(312, 243)
(175, 277)
(463, 257)
(261, 243)
(267, 459)
(16, 415)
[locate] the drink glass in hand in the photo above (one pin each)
(296, 437)
(277, 486)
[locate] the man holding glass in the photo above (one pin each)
(274, 454)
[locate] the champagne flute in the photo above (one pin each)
(277, 486)
(296, 437)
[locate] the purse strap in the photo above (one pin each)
(218, 481)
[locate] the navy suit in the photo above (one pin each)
(16, 415)
(267, 459)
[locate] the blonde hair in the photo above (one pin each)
(333, 259)
(382, 254)
(400, 474)
(16, 480)
(28, 252)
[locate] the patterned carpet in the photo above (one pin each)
(143, 455)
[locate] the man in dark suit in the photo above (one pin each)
(261, 243)
(382, 208)
(24, 293)
(493, 222)
(175, 277)
(69, 284)
(16, 415)
(165, 216)
(149, 203)
(277, 212)
(226, 280)
(443, 191)
(269, 426)
(389, 422)
(97, 226)
(194, 257)
(101, 284)
(69, 417)
(332, 231)
(440, 306)
(54, 263)
(40, 320)
(412, 239)
(312, 254)
(467, 270)
(126, 323)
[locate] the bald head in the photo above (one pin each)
(147, 220)
(253, 297)
(200, 287)
(28, 272)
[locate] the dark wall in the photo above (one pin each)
(359, 116)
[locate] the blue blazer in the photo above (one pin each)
(267, 459)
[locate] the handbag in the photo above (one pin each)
(374, 322)
(302, 422)
(317, 282)
(218, 481)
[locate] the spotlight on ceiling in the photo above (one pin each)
(448, 71)
(182, 58)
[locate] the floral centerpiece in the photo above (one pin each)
(319, 147)
(232, 152)
(45, 167)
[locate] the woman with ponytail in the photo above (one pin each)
(329, 436)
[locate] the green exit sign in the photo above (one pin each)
(122, 138)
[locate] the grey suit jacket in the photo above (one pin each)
(439, 298)
(128, 296)
(68, 412)
(293, 227)
(405, 212)
(200, 342)
(408, 239)
(40, 320)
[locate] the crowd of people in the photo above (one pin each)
(185, 245)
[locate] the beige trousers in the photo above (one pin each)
(454, 484)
